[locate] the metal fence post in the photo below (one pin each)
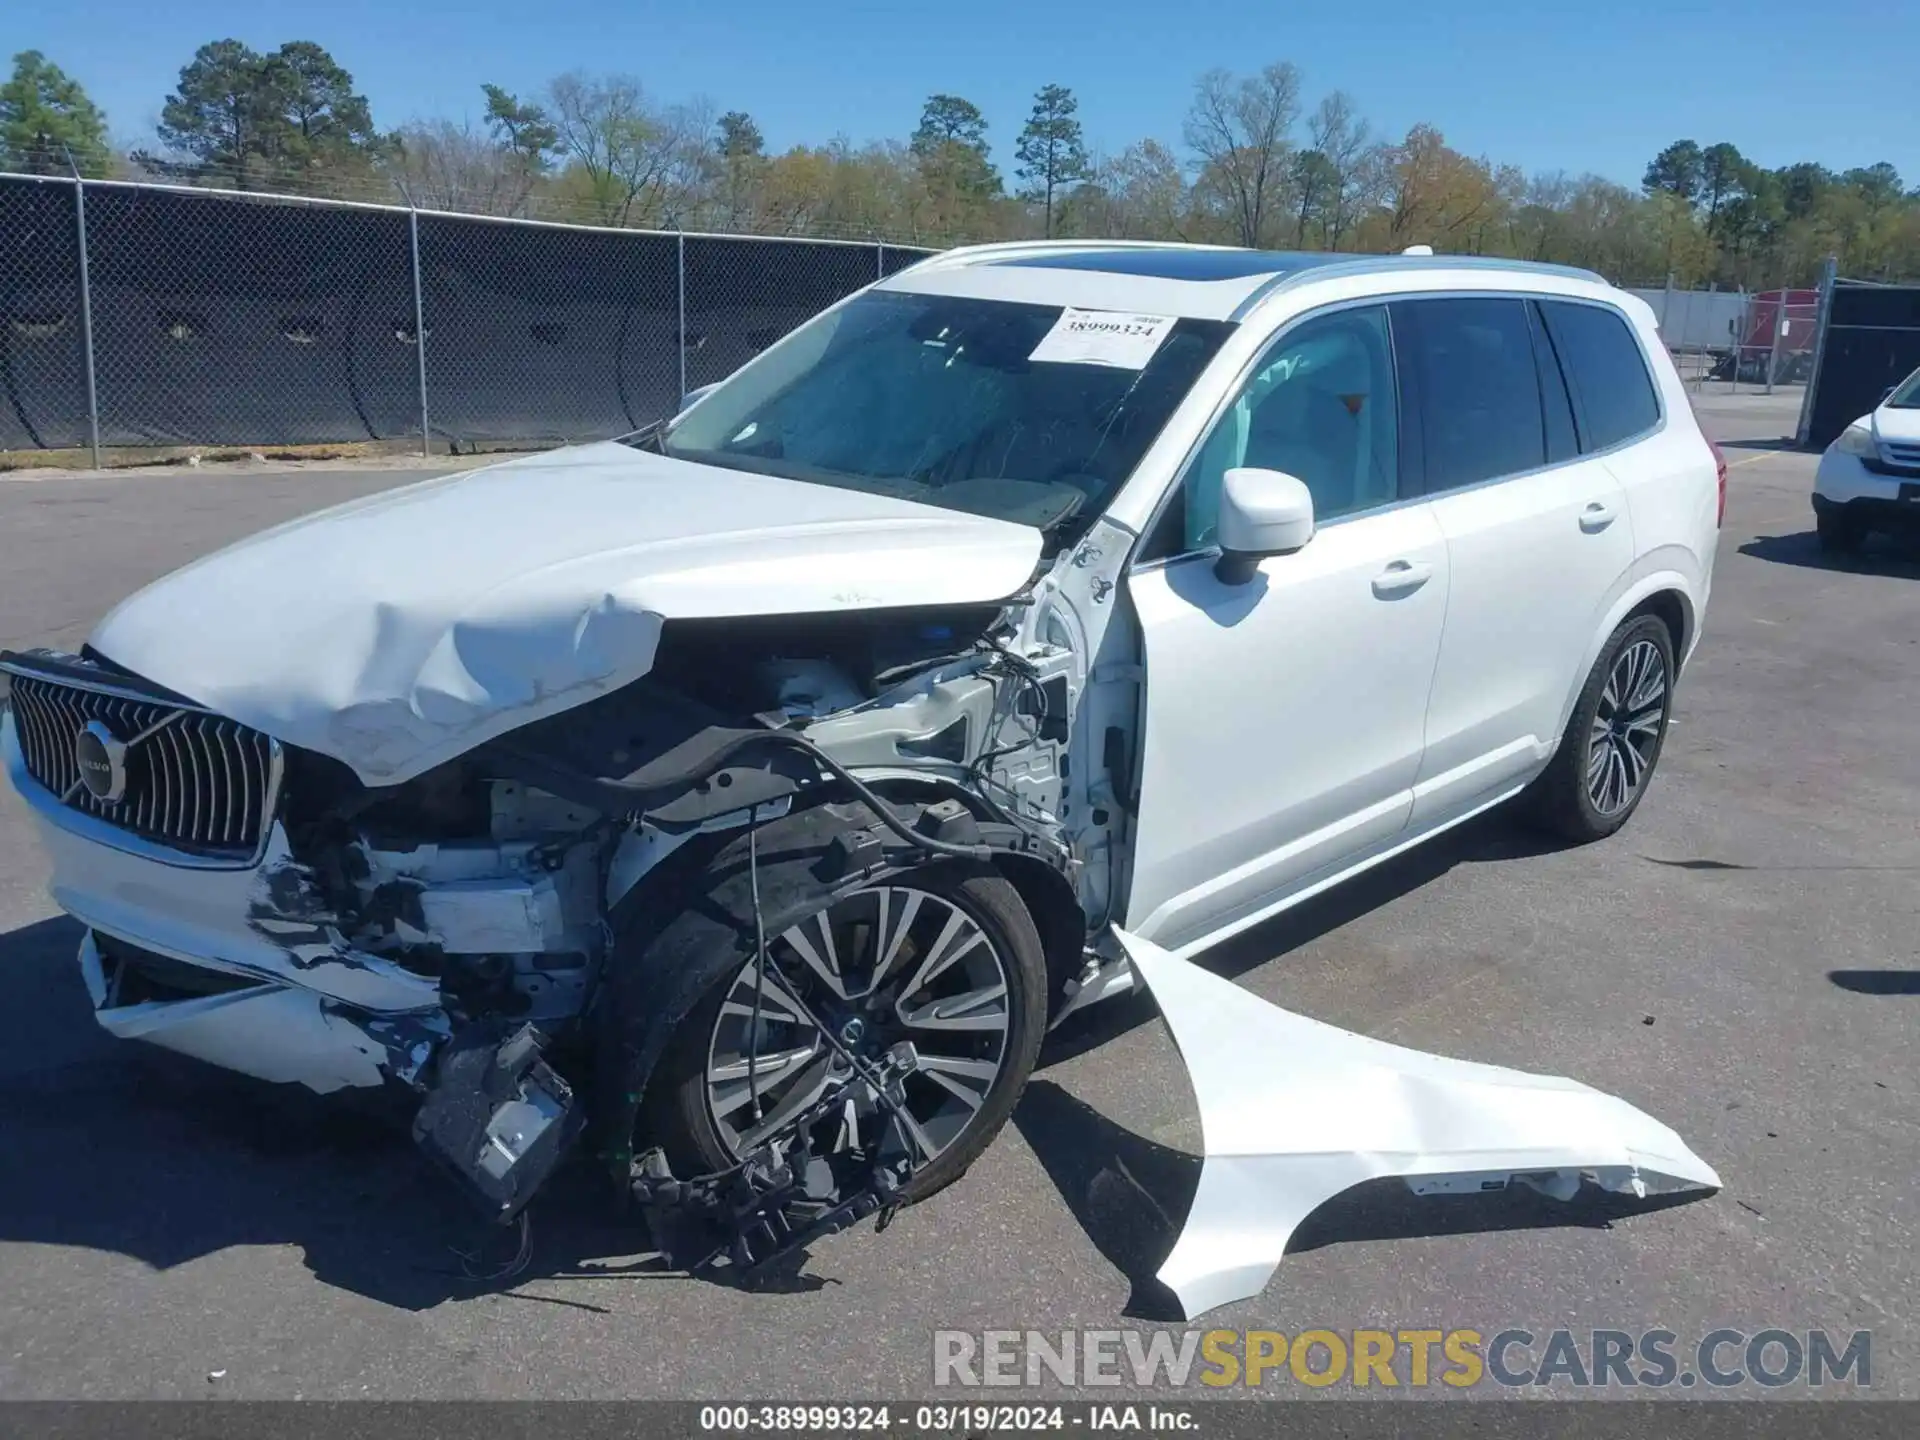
(1745, 324)
(86, 315)
(680, 333)
(1829, 276)
(1713, 309)
(1693, 341)
(879, 260)
(420, 330)
(1779, 324)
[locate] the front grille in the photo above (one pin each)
(197, 783)
(1902, 456)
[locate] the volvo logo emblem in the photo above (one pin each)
(102, 758)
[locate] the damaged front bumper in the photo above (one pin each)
(196, 960)
(274, 1032)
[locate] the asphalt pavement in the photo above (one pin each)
(1740, 961)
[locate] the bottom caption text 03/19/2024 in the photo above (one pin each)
(1360, 1420)
(942, 1419)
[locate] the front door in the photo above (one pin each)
(1283, 718)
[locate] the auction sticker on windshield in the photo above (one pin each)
(1103, 337)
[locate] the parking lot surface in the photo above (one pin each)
(1741, 961)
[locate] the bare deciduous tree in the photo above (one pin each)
(1240, 131)
(1148, 181)
(634, 163)
(1346, 143)
(446, 166)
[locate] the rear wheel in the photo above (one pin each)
(1606, 758)
(940, 967)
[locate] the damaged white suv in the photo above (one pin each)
(747, 796)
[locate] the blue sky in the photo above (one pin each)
(1499, 77)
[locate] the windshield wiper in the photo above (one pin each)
(648, 438)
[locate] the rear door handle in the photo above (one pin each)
(1596, 517)
(1402, 577)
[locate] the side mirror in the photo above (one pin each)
(1262, 513)
(687, 400)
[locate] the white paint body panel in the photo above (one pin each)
(1842, 477)
(1896, 425)
(398, 631)
(1088, 289)
(1283, 718)
(1532, 563)
(281, 1035)
(1257, 732)
(1294, 1111)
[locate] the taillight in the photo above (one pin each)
(1720, 471)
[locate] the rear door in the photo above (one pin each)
(1663, 463)
(1537, 538)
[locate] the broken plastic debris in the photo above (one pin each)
(1293, 1112)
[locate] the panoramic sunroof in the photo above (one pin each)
(1170, 264)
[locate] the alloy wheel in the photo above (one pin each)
(894, 971)
(1626, 729)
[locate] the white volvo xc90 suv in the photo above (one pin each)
(753, 790)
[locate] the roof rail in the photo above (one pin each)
(965, 255)
(1320, 268)
(1389, 264)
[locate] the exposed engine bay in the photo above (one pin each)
(507, 878)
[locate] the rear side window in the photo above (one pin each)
(1613, 394)
(1472, 365)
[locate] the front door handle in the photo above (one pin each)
(1596, 517)
(1402, 577)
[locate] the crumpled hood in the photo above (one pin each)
(401, 630)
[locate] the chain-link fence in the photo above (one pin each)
(43, 349)
(145, 315)
(1735, 341)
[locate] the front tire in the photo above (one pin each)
(1612, 743)
(943, 956)
(1839, 533)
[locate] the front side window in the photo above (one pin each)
(1608, 374)
(936, 399)
(1480, 412)
(1320, 406)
